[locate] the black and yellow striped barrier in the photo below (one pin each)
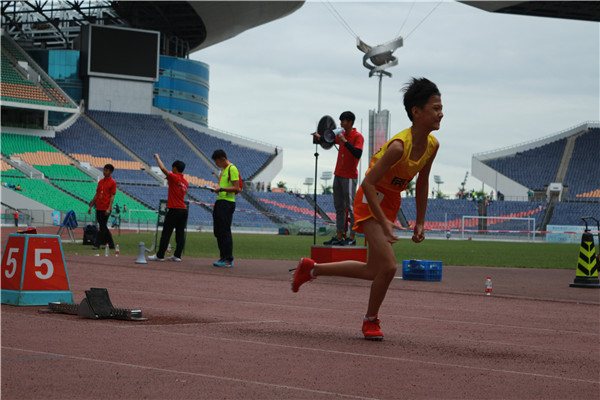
(587, 265)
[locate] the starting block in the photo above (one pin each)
(325, 254)
(34, 271)
(96, 305)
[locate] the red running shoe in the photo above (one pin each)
(371, 329)
(302, 273)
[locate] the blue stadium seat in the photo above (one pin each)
(570, 213)
(248, 160)
(150, 134)
(82, 139)
(582, 177)
(291, 207)
(533, 168)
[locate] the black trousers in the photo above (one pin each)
(176, 219)
(222, 218)
(104, 236)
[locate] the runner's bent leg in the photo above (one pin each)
(382, 255)
(375, 262)
(379, 268)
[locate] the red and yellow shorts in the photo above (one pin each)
(389, 200)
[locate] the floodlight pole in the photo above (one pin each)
(315, 195)
(379, 97)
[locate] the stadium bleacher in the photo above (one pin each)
(248, 161)
(63, 177)
(42, 156)
(441, 213)
(247, 215)
(15, 87)
(570, 213)
(84, 142)
(532, 168)
(325, 203)
(515, 209)
(287, 206)
(8, 171)
(582, 177)
(152, 195)
(45, 193)
(150, 134)
(87, 190)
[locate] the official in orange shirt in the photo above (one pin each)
(103, 200)
(177, 212)
(345, 179)
(376, 205)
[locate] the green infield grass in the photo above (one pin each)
(282, 247)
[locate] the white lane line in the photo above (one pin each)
(196, 374)
(543, 348)
(380, 357)
(485, 324)
(160, 329)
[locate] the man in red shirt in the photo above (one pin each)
(103, 200)
(345, 178)
(177, 213)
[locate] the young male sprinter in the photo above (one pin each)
(345, 179)
(405, 155)
(177, 213)
(103, 200)
(229, 186)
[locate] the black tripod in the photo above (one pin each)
(326, 140)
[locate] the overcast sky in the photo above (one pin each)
(504, 79)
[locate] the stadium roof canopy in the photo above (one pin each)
(203, 23)
(580, 10)
(185, 26)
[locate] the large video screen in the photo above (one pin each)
(121, 52)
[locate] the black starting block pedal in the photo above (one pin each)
(96, 305)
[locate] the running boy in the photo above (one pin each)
(377, 201)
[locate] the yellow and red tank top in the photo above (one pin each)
(395, 180)
(401, 173)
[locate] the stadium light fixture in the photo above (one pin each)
(438, 180)
(378, 58)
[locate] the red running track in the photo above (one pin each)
(241, 333)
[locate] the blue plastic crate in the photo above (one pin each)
(422, 270)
